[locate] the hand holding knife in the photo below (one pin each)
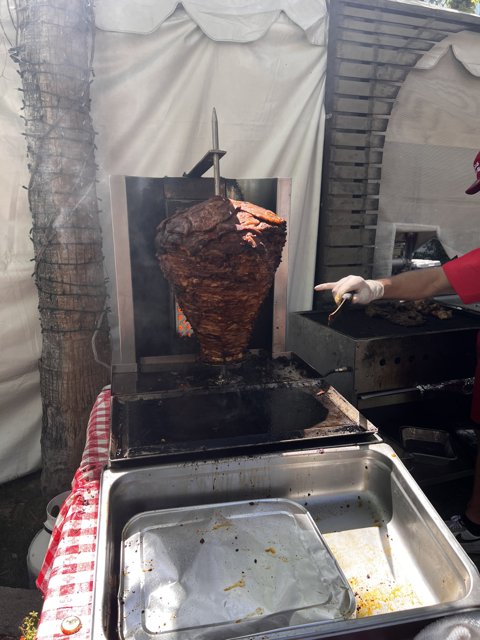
(344, 301)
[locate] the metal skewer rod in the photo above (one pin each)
(216, 155)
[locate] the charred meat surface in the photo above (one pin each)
(408, 313)
(220, 256)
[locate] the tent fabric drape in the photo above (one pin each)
(428, 154)
(464, 47)
(233, 21)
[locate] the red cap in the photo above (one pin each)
(475, 187)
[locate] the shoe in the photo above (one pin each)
(469, 541)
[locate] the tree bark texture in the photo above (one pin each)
(53, 51)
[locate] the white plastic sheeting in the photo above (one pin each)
(159, 70)
(20, 340)
(430, 145)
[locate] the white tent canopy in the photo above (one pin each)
(219, 20)
(160, 68)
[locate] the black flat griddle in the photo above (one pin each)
(257, 406)
(354, 322)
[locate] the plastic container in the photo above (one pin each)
(39, 545)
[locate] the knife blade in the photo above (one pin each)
(346, 298)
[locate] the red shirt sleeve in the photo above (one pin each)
(464, 275)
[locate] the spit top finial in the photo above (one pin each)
(215, 150)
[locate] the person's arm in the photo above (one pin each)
(409, 285)
(415, 285)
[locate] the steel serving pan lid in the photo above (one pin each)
(225, 570)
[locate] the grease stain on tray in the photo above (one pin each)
(383, 597)
(239, 584)
(384, 587)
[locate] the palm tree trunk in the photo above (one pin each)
(53, 49)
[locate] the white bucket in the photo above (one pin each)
(39, 545)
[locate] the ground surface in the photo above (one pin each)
(22, 513)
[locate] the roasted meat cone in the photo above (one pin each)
(220, 257)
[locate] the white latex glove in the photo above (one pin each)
(364, 291)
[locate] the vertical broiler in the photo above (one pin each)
(244, 495)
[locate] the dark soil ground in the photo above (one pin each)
(22, 513)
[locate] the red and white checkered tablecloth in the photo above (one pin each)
(67, 574)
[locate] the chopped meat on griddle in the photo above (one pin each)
(409, 313)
